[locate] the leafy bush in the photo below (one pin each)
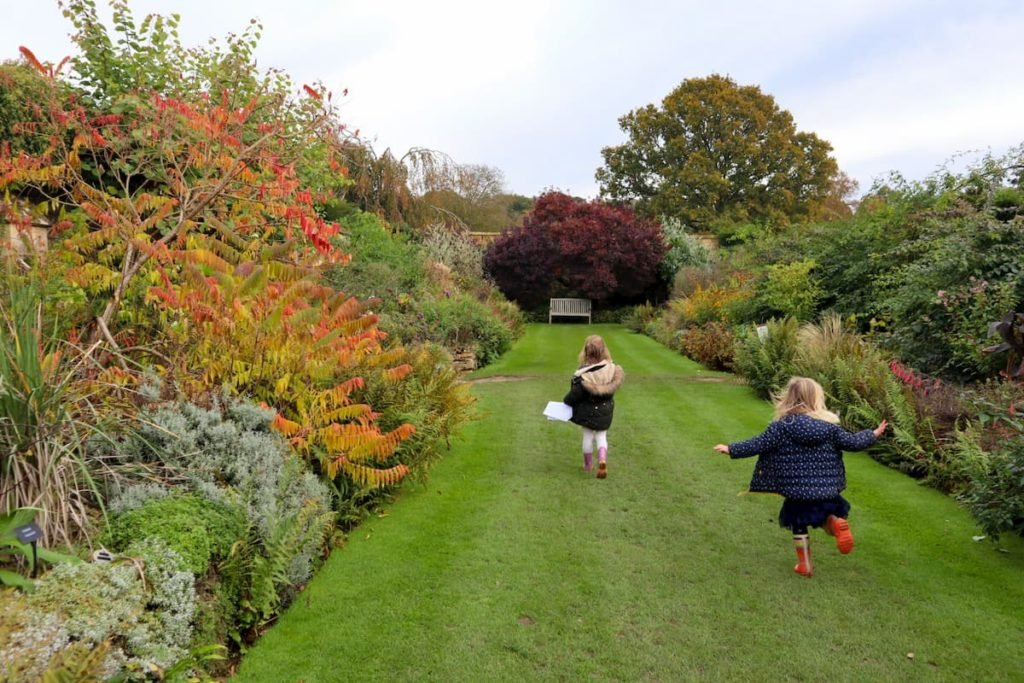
(711, 345)
(384, 263)
(423, 303)
(710, 304)
(995, 493)
(251, 505)
(611, 314)
(462, 321)
(684, 249)
(790, 290)
(997, 406)
(767, 362)
(946, 286)
(689, 278)
(640, 317)
(199, 531)
(569, 247)
(456, 250)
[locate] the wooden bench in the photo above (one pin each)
(579, 308)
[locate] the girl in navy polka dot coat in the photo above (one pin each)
(800, 456)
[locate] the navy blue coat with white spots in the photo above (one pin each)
(801, 457)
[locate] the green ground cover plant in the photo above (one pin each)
(512, 564)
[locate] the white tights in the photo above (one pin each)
(590, 436)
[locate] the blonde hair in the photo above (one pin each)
(803, 396)
(594, 351)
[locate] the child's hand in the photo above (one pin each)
(722, 448)
(880, 429)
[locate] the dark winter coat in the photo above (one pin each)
(801, 457)
(591, 394)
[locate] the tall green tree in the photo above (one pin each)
(716, 150)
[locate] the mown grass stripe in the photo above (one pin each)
(511, 564)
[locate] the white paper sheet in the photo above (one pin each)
(556, 410)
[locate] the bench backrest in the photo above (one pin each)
(575, 307)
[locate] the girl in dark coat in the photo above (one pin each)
(591, 397)
(800, 456)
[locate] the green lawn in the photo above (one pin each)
(513, 565)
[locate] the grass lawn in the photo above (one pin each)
(514, 565)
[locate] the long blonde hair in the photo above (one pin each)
(594, 351)
(803, 396)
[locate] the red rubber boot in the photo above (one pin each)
(840, 528)
(803, 555)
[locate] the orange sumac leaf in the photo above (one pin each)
(286, 426)
(398, 373)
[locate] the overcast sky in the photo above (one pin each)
(535, 87)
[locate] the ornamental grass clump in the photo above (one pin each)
(53, 399)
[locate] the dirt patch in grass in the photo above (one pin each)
(499, 378)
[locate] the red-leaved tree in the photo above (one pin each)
(571, 247)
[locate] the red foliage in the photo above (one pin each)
(571, 247)
(920, 384)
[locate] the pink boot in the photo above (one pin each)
(588, 461)
(602, 462)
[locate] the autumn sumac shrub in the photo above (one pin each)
(570, 247)
(710, 344)
(293, 345)
(433, 397)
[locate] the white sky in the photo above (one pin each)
(536, 87)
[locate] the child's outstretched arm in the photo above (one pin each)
(765, 441)
(861, 440)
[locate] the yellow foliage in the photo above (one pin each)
(93, 277)
(296, 346)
